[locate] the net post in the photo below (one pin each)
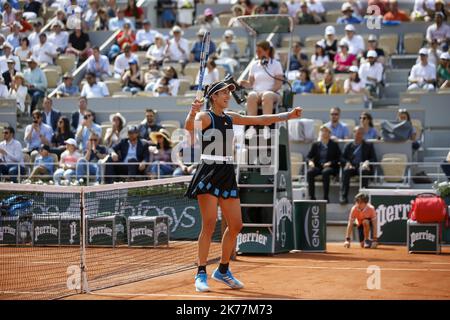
(83, 275)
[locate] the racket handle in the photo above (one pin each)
(199, 96)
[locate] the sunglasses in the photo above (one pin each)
(334, 114)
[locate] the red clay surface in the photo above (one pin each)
(338, 274)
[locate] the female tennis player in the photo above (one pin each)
(214, 182)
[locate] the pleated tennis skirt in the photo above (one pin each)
(217, 179)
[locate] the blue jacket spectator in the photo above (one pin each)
(338, 129)
(67, 88)
(87, 127)
(197, 47)
(303, 84)
(44, 163)
(348, 16)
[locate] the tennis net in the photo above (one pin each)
(58, 241)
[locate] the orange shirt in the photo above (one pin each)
(398, 16)
(367, 213)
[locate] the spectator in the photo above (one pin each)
(18, 91)
(133, 78)
(209, 20)
(59, 38)
(166, 10)
(67, 88)
(339, 130)
(445, 166)
(343, 59)
(433, 53)
(61, 17)
(293, 7)
(77, 117)
(23, 52)
(36, 82)
(439, 6)
(9, 74)
(37, 133)
(270, 7)
(423, 74)
(91, 15)
(188, 156)
(79, 45)
(443, 69)
(185, 12)
(94, 89)
(11, 156)
(167, 85)
(33, 37)
(303, 84)
(160, 154)
(323, 159)
(13, 37)
(145, 37)
(9, 14)
(32, 8)
(304, 16)
(366, 124)
(68, 162)
(228, 53)
(148, 125)
(372, 44)
(155, 52)
(265, 88)
(439, 30)
(319, 60)
(356, 153)
(118, 130)
(366, 219)
(25, 26)
(50, 116)
(355, 42)
(347, 15)
(317, 9)
(45, 51)
(394, 14)
(421, 8)
(371, 74)
(7, 55)
(127, 36)
(87, 127)
(151, 76)
(197, 47)
(122, 61)
(211, 74)
(3, 29)
(43, 164)
(112, 8)
(297, 59)
(328, 85)
(238, 11)
(353, 85)
(89, 162)
(62, 133)
(3, 89)
(331, 43)
(248, 6)
(403, 115)
(98, 64)
(119, 20)
(177, 48)
(259, 10)
(133, 152)
(102, 21)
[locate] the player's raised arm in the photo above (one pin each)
(196, 115)
(266, 119)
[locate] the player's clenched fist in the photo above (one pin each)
(295, 113)
(196, 107)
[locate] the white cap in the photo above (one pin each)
(372, 54)
(346, 6)
(423, 51)
(321, 44)
(229, 33)
(71, 141)
(445, 56)
(353, 69)
(343, 42)
(7, 44)
(372, 37)
(350, 27)
(176, 29)
(330, 30)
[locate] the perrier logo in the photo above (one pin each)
(415, 236)
(254, 237)
(38, 231)
(391, 213)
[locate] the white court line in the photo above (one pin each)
(199, 296)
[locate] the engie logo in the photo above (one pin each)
(312, 235)
(427, 236)
(392, 213)
(254, 237)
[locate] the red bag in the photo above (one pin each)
(428, 207)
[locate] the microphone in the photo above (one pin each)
(264, 61)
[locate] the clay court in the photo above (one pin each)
(338, 274)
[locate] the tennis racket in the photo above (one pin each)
(203, 59)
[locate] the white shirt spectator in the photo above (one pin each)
(418, 7)
(263, 82)
(421, 73)
(4, 64)
(20, 95)
(4, 91)
(13, 150)
(122, 63)
(22, 54)
(174, 53)
(42, 53)
(33, 38)
(100, 67)
(144, 38)
(355, 45)
(174, 85)
(320, 61)
(98, 90)
(442, 33)
(60, 40)
(352, 86)
(373, 71)
(433, 58)
(293, 7)
(156, 53)
(316, 7)
(209, 78)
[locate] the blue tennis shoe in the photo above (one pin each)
(228, 279)
(201, 282)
